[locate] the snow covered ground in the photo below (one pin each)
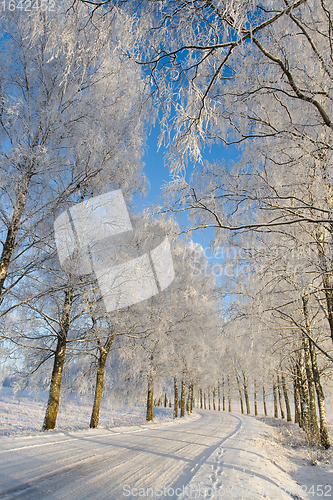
(209, 455)
(23, 413)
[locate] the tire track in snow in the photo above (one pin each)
(195, 464)
(234, 472)
(43, 482)
(82, 466)
(37, 488)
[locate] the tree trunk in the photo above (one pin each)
(103, 354)
(255, 398)
(58, 365)
(304, 394)
(240, 394)
(98, 390)
(309, 374)
(223, 394)
(329, 299)
(280, 397)
(9, 243)
(246, 394)
(298, 419)
(219, 395)
(324, 437)
(201, 399)
(276, 413)
(264, 400)
(327, 279)
(229, 394)
(286, 399)
(183, 396)
(205, 400)
(208, 398)
(150, 398)
(190, 405)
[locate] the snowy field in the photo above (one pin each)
(207, 455)
(23, 413)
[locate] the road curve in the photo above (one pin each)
(157, 460)
(100, 464)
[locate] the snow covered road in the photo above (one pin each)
(211, 456)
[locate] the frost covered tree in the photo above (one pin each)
(72, 117)
(65, 121)
(276, 298)
(105, 338)
(231, 73)
(226, 72)
(126, 286)
(173, 333)
(197, 338)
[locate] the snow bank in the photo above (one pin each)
(23, 413)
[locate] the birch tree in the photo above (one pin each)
(61, 129)
(70, 129)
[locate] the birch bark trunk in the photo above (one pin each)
(276, 413)
(286, 398)
(298, 419)
(229, 394)
(304, 394)
(326, 274)
(324, 437)
(98, 390)
(175, 408)
(240, 394)
(58, 365)
(183, 396)
(13, 228)
(103, 354)
(246, 394)
(190, 402)
(280, 397)
(314, 429)
(150, 398)
(264, 400)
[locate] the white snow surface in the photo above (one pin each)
(210, 454)
(22, 412)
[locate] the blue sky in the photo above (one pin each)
(158, 174)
